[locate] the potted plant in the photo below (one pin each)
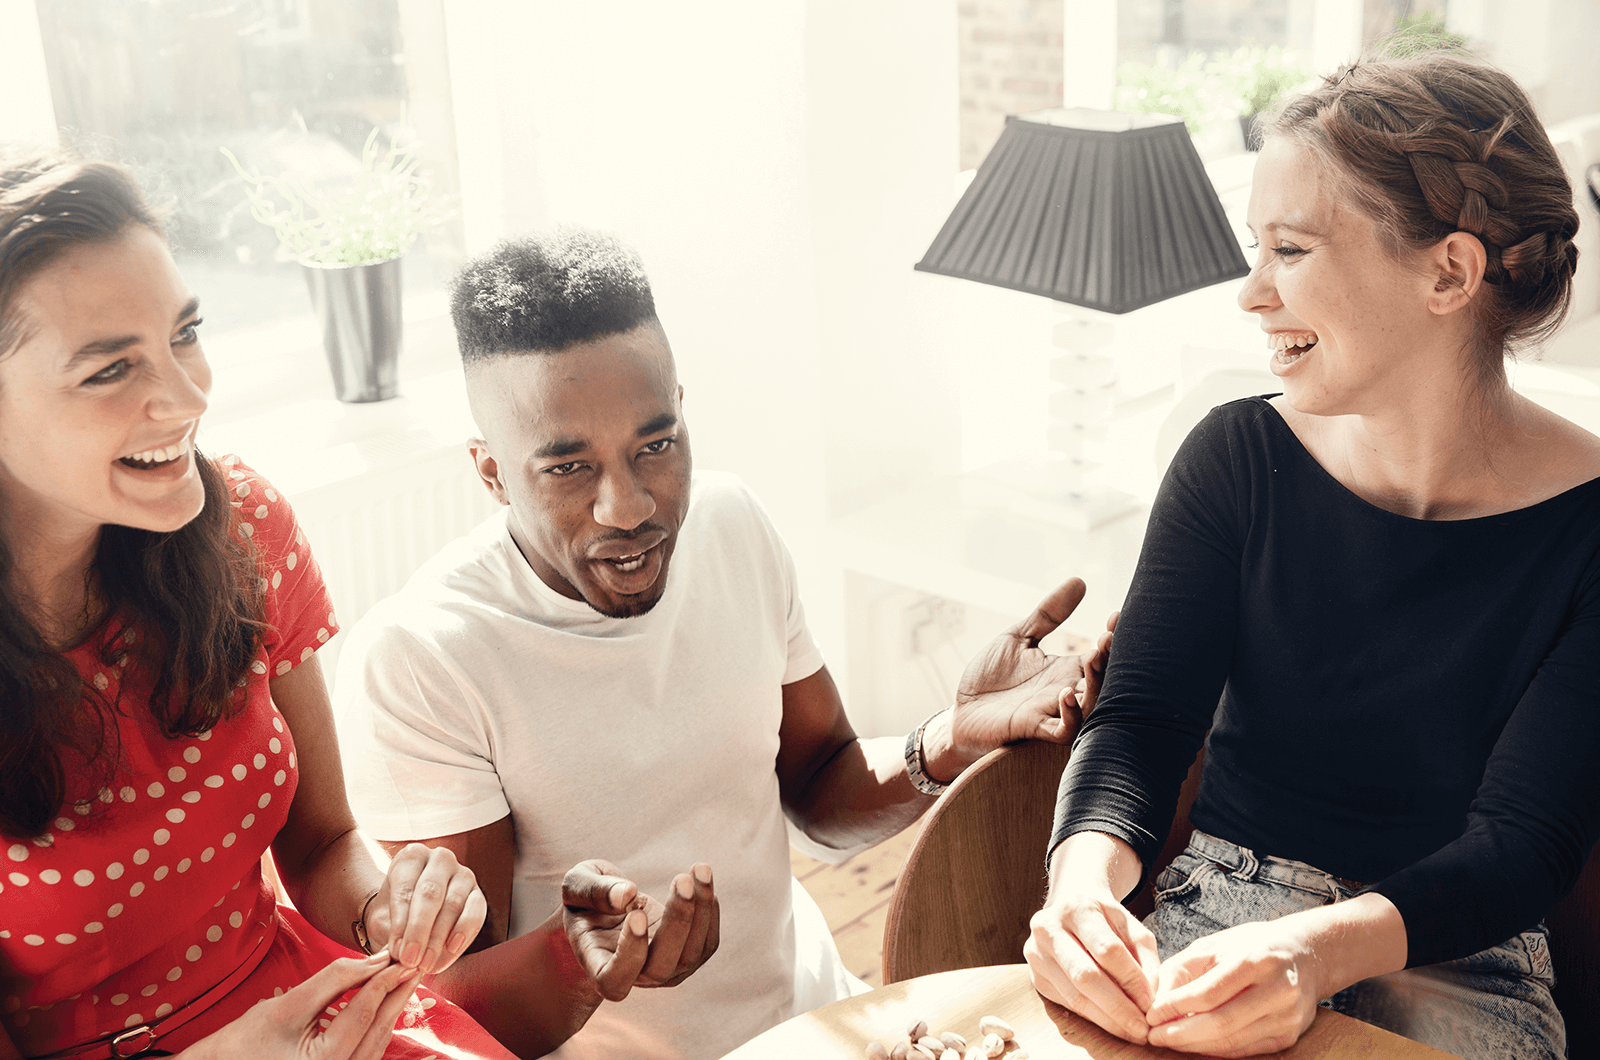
(1258, 78)
(348, 242)
(1182, 91)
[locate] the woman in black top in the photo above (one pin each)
(1389, 575)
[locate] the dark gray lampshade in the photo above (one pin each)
(1102, 209)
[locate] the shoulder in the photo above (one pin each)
(725, 512)
(1553, 454)
(1230, 436)
(462, 588)
(722, 493)
(260, 512)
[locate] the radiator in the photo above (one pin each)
(377, 488)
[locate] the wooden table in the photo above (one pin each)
(955, 1001)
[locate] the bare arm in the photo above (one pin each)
(842, 791)
(848, 793)
(326, 869)
(426, 907)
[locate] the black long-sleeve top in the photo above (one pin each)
(1410, 703)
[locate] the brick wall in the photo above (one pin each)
(1010, 64)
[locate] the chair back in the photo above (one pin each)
(1575, 950)
(976, 873)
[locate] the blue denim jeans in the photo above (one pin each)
(1493, 1005)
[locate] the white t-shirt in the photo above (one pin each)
(650, 742)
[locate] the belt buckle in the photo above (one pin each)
(132, 1035)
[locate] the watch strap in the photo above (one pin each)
(916, 765)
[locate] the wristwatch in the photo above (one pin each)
(916, 766)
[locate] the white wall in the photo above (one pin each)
(27, 113)
(780, 166)
(1549, 46)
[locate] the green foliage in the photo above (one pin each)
(1185, 92)
(1259, 77)
(1415, 34)
(376, 218)
(1203, 89)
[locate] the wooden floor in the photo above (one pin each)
(854, 897)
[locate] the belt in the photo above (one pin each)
(140, 1041)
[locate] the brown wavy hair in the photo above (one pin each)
(1440, 143)
(193, 598)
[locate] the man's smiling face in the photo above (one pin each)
(589, 449)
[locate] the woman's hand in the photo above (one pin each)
(428, 909)
(1090, 955)
(1085, 951)
(1254, 988)
(288, 1027)
(1245, 990)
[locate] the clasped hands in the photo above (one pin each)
(1242, 991)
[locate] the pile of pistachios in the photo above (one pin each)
(995, 1039)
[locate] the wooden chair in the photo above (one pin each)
(975, 876)
(1575, 948)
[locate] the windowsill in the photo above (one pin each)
(273, 403)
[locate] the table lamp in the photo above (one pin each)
(1103, 210)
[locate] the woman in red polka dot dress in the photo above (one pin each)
(162, 715)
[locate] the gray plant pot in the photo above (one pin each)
(359, 308)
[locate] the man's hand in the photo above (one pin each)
(1013, 690)
(1094, 667)
(626, 939)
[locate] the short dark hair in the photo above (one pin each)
(545, 292)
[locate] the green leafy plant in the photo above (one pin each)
(1185, 91)
(1415, 34)
(1259, 77)
(377, 217)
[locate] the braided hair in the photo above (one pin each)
(1441, 143)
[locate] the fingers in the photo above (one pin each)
(1080, 961)
(1094, 666)
(375, 1043)
(615, 971)
(598, 886)
(1226, 1033)
(309, 998)
(1115, 942)
(666, 947)
(705, 931)
(429, 892)
(348, 1030)
(454, 942)
(1051, 612)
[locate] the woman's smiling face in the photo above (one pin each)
(1343, 318)
(100, 399)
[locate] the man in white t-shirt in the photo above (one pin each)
(542, 692)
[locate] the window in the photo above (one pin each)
(288, 85)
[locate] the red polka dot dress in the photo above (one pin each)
(147, 894)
